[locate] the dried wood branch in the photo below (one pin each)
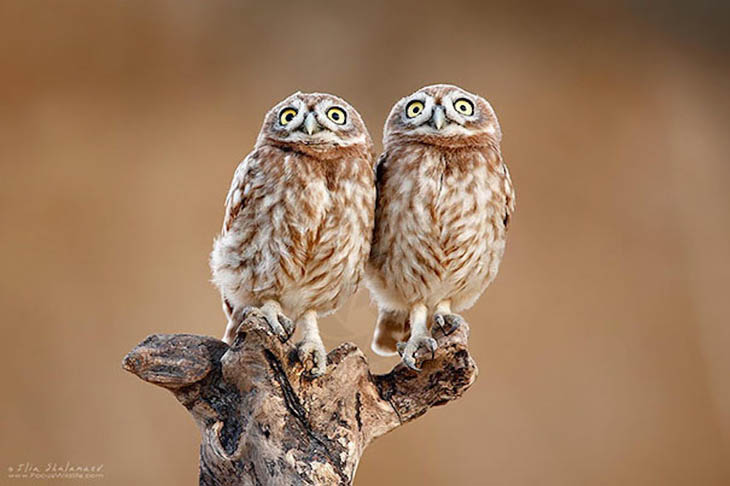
(265, 421)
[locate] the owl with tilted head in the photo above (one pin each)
(298, 220)
(444, 203)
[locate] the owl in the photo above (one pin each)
(444, 203)
(298, 220)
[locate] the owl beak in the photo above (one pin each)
(438, 117)
(310, 124)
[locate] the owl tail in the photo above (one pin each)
(392, 327)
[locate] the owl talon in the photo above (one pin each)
(416, 350)
(438, 320)
(448, 323)
(310, 350)
(410, 362)
(278, 326)
(287, 326)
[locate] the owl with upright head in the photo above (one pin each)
(298, 220)
(444, 203)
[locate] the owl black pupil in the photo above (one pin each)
(288, 117)
(336, 116)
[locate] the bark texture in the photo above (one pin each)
(265, 421)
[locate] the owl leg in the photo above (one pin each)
(311, 348)
(420, 343)
(230, 331)
(233, 323)
(444, 319)
(280, 325)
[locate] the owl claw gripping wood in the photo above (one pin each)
(298, 220)
(445, 200)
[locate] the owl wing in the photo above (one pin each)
(235, 200)
(380, 175)
(380, 171)
(509, 193)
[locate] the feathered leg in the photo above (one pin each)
(420, 337)
(311, 348)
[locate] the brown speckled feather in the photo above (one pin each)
(299, 215)
(444, 203)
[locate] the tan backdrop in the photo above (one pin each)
(603, 345)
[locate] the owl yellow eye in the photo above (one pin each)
(464, 106)
(287, 115)
(414, 109)
(337, 115)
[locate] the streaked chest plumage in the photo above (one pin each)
(302, 234)
(440, 224)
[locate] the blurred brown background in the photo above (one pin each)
(603, 345)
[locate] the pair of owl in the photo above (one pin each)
(309, 214)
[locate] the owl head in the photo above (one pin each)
(443, 115)
(318, 124)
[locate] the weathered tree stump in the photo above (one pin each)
(265, 421)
